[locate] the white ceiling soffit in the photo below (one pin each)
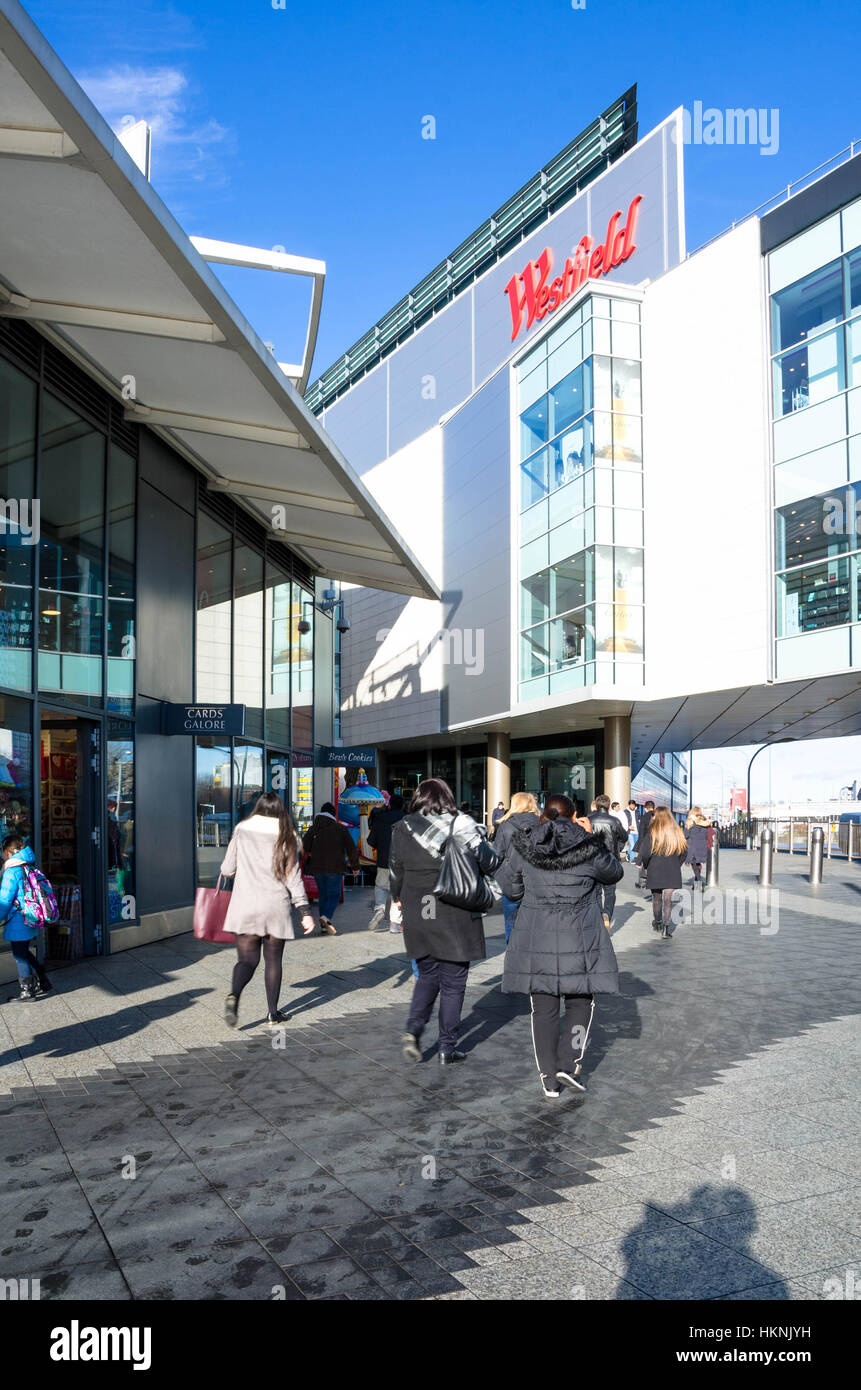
(91, 256)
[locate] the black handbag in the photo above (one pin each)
(461, 882)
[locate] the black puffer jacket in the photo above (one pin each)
(508, 828)
(605, 824)
(559, 944)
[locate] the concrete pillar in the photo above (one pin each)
(382, 770)
(617, 758)
(498, 772)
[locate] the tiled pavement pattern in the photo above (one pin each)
(712, 1158)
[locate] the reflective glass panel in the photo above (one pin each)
(18, 521)
(808, 306)
(248, 637)
(813, 597)
(214, 546)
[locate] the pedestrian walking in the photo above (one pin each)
(632, 828)
(441, 938)
(498, 814)
(33, 980)
(263, 859)
(522, 814)
(380, 827)
(645, 822)
(559, 950)
(662, 852)
(615, 837)
(331, 849)
(697, 829)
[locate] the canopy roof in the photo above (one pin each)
(91, 256)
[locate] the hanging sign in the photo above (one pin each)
(228, 720)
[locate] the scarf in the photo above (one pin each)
(466, 831)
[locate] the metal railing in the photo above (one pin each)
(842, 839)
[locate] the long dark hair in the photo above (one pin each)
(284, 853)
(433, 797)
(558, 807)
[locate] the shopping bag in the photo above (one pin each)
(210, 910)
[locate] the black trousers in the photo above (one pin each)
(555, 1051)
(609, 890)
(446, 978)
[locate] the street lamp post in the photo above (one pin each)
(749, 836)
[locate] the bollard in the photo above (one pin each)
(713, 863)
(766, 853)
(816, 844)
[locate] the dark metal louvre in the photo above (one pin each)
(122, 432)
(67, 380)
(222, 508)
(19, 340)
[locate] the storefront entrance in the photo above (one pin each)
(70, 850)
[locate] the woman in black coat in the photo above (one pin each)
(662, 853)
(697, 831)
(442, 939)
(559, 947)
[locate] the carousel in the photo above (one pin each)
(354, 806)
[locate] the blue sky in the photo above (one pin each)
(301, 127)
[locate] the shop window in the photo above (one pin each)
(570, 455)
(120, 794)
(248, 637)
(122, 478)
(17, 455)
(302, 793)
(213, 640)
(71, 554)
(16, 767)
(278, 775)
(247, 779)
(533, 427)
(213, 780)
(813, 597)
(807, 307)
(572, 582)
(302, 668)
(568, 401)
(277, 657)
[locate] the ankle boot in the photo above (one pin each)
(42, 980)
(27, 991)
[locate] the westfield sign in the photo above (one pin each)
(533, 295)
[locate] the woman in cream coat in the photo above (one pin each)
(262, 856)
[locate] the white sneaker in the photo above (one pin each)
(377, 918)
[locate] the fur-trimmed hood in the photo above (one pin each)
(557, 845)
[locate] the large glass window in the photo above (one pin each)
(809, 374)
(213, 796)
(816, 528)
(248, 637)
(16, 767)
(247, 779)
(19, 525)
(122, 475)
(302, 793)
(213, 643)
(807, 307)
(302, 667)
(277, 657)
(71, 553)
(120, 789)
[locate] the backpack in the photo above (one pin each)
(36, 901)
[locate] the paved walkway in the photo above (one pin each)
(712, 1158)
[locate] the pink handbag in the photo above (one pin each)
(210, 910)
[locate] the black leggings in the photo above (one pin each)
(248, 951)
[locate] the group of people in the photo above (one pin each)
(556, 871)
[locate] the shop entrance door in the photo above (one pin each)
(71, 849)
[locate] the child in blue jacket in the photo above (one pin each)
(31, 977)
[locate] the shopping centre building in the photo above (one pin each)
(632, 472)
(173, 516)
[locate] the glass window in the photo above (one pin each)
(627, 575)
(568, 639)
(16, 767)
(122, 479)
(533, 427)
(565, 358)
(533, 522)
(71, 553)
(213, 794)
(627, 489)
(533, 385)
(808, 306)
(602, 446)
(214, 547)
(626, 340)
(627, 527)
(627, 439)
(534, 655)
(572, 498)
(120, 790)
(571, 454)
(535, 599)
(626, 386)
(813, 597)
(19, 526)
(626, 311)
(853, 277)
(853, 351)
(809, 374)
(248, 637)
(278, 775)
(628, 622)
(816, 528)
(302, 667)
(573, 536)
(567, 402)
(277, 658)
(247, 779)
(302, 793)
(533, 479)
(572, 582)
(601, 335)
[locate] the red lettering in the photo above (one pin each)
(595, 261)
(629, 245)
(532, 291)
(608, 243)
(556, 295)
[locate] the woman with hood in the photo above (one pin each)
(442, 939)
(697, 830)
(559, 948)
(32, 979)
(522, 814)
